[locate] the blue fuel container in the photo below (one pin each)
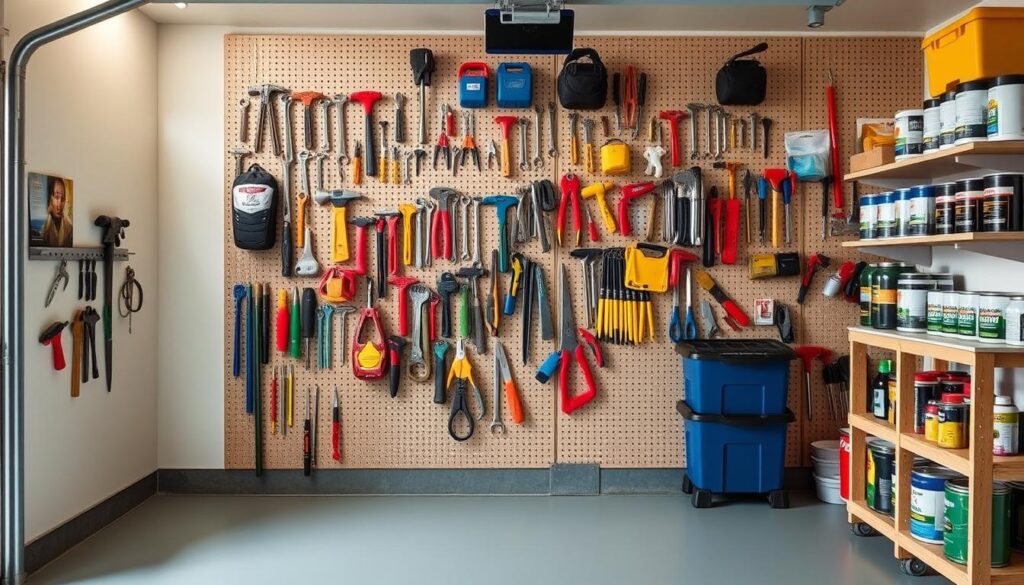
(515, 85)
(473, 84)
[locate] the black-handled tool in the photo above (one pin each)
(307, 445)
(265, 326)
(446, 286)
(396, 344)
(368, 99)
(308, 318)
(440, 351)
(113, 231)
(423, 65)
(286, 248)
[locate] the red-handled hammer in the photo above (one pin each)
(51, 337)
(674, 117)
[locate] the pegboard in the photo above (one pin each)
(632, 422)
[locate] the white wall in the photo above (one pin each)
(91, 116)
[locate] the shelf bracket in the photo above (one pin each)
(1006, 250)
(920, 255)
(1002, 163)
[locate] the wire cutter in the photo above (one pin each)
(461, 372)
(61, 276)
(570, 185)
(442, 142)
(491, 154)
(469, 141)
(568, 350)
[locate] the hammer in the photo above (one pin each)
(501, 204)
(267, 115)
(403, 283)
(339, 220)
(506, 123)
(598, 191)
(391, 216)
(368, 99)
(51, 337)
(673, 117)
(308, 98)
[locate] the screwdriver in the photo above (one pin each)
(293, 326)
(306, 446)
(826, 185)
(336, 428)
(787, 198)
(308, 319)
(762, 196)
(282, 321)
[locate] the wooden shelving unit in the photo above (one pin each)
(975, 462)
(918, 249)
(944, 165)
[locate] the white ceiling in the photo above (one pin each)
(855, 16)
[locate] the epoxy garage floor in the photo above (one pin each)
(495, 540)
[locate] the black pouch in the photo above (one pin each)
(742, 83)
(254, 209)
(582, 85)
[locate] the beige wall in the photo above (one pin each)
(91, 116)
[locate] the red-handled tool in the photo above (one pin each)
(591, 225)
(674, 117)
(676, 258)
(441, 223)
(335, 428)
(629, 193)
(807, 354)
(51, 337)
(833, 138)
(715, 208)
(570, 186)
(814, 263)
(361, 224)
(273, 403)
(730, 244)
(369, 357)
(403, 283)
(367, 99)
(707, 283)
(282, 320)
(395, 346)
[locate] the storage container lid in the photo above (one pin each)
(931, 103)
(972, 86)
(979, 13)
(903, 194)
(905, 113)
(1004, 401)
(737, 351)
(1007, 80)
(736, 420)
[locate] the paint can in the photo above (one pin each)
(1005, 120)
(971, 112)
(909, 130)
(868, 217)
(930, 133)
(922, 211)
(881, 462)
(945, 208)
(950, 313)
(901, 203)
(1016, 515)
(931, 421)
(957, 512)
(884, 284)
(992, 317)
(912, 302)
(844, 463)
(1005, 427)
(1002, 203)
(967, 315)
(935, 312)
(926, 389)
(1014, 317)
(947, 120)
(866, 276)
(886, 210)
(969, 195)
(954, 422)
(928, 502)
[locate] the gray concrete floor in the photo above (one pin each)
(497, 540)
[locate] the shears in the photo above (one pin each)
(461, 372)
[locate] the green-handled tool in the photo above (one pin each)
(293, 323)
(464, 311)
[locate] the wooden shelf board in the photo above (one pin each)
(949, 348)
(932, 555)
(937, 240)
(956, 459)
(1008, 468)
(873, 426)
(885, 525)
(939, 164)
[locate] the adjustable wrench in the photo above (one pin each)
(243, 120)
(524, 163)
(538, 161)
(552, 139)
(418, 341)
(325, 122)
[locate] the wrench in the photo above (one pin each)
(304, 170)
(476, 231)
(552, 140)
(325, 122)
(538, 161)
(464, 204)
(289, 142)
(418, 341)
(243, 120)
(382, 160)
(453, 210)
(692, 109)
(427, 220)
(524, 125)
(399, 117)
(496, 424)
(343, 311)
(707, 131)
(409, 156)
(319, 157)
(340, 141)
(417, 240)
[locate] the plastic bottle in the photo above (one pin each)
(880, 390)
(1006, 427)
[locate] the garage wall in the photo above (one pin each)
(91, 116)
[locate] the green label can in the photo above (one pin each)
(954, 535)
(992, 317)
(934, 312)
(967, 315)
(950, 313)
(881, 464)
(865, 295)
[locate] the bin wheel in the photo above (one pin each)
(861, 529)
(913, 567)
(687, 485)
(778, 499)
(702, 499)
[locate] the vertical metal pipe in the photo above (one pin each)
(14, 250)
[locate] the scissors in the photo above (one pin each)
(461, 372)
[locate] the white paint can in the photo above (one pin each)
(971, 112)
(1006, 108)
(909, 128)
(932, 126)
(947, 120)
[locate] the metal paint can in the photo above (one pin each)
(881, 463)
(969, 195)
(884, 284)
(945, 208)
(928, 502)
(957, 511)
(912, 302)
(909, 131)
(902, 201)
(950, 313)
(1006, 108)
(934, 312)
(865, 294)
(886, 208)
(868, 217)
(932, 125)
(926, 389)
(931, 421)
(992, 317)
(967, 315)
(947, 120)
(1005, 427)
(1002, 203)
(1014, 316)
(971, 112)
(922, 211)
(1016, 515)
(954, 422)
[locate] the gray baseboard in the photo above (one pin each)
(59, 540)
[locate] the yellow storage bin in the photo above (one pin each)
(985, 43)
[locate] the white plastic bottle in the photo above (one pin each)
(1006, 427)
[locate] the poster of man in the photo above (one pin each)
(50, 210)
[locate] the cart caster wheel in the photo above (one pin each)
(687, 485)
(778, 499)
(702, 499)
(913, 567)
(862, 529)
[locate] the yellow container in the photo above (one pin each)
(615, 157)
(984, 43)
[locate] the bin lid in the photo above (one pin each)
(737, 351)
(736, 420)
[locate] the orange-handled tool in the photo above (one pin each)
(707, 283)
(503, 379)
(775, 178)
(506, 123)
(282, 320)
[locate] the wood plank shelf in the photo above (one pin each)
(945, 164)
(959, 460)
(933, 556)
(918, 249)
(873, 426)
(954, 349)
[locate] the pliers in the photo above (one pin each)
(469, 141)
(442, 141)
(570, 186)
(461, 372)
(62, 275)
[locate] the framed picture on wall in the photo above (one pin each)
(50, 206)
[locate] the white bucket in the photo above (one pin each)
(825, 450)
(825, 468)
(828, 490)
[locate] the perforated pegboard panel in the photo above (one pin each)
(632, 423)
(874, 78)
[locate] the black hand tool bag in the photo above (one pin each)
(742, 82)
(582, 85)
(254, 209)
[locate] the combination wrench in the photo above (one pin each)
(538, 160)
(552, 139)
(325, 122)
(524, 163)
(289, 141)
(476, 231)
(243, 120)
(340, 141)
(464, 204)
(319, 157)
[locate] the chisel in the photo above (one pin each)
(308, 318)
